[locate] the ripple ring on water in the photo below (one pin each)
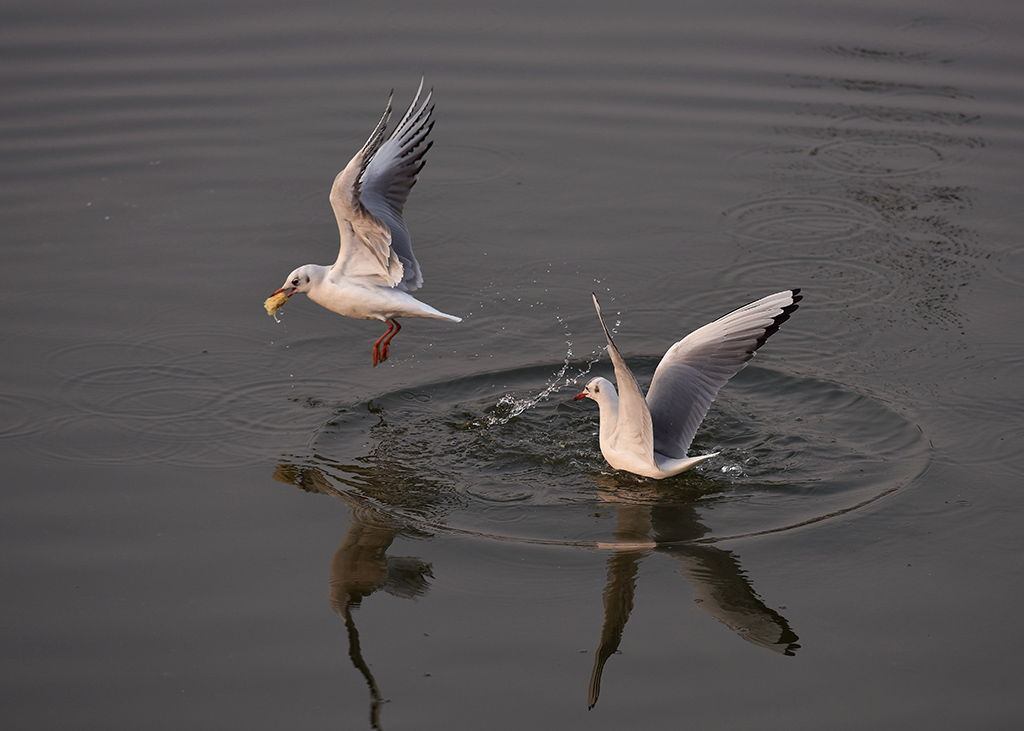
(796, 451)
(798, 220)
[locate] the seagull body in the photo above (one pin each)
(375, 269)
(650, 436)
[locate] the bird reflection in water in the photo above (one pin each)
(645, 526)
(360, 566)
(650, 518)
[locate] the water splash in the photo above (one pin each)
(508, 406)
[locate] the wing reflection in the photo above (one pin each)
(649, 519)
(721, 587)
(360, 566)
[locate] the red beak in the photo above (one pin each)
(279, 291)
(578, 396)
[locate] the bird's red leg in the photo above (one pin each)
(378, 357)
(387, 341)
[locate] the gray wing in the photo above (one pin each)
(633, 424)
(388, 178)
(365, 249)
(694, 369)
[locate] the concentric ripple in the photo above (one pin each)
(443, 458)
(872, 157)
(183, 394)
(18, 415)
(850, 283)
(798, 219)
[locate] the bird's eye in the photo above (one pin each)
(295, 282)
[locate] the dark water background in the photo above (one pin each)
(212, 520)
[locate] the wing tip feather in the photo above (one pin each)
(779, 319)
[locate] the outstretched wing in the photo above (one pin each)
(633, 425)
(366, 249)
(388, 178)
(695, 369)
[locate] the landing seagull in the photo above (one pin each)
(376, 268)
(650, 437)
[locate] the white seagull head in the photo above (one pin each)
(599, 389)
(301, 280)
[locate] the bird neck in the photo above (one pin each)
(608, 405)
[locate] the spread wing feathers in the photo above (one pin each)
(366, 249)
(695, 369)
(388, 178)
(633, 425)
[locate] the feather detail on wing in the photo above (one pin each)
(693, 370)
(633, 425)
(366, 249)
(390, 175)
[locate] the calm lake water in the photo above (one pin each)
(214, 520)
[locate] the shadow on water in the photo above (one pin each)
(493, 457)
(361, 566)
(720, 586)
(463, 457)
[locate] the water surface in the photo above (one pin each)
(457, 554)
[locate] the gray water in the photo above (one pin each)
(214, 520)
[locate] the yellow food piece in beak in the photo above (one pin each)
(274, 303)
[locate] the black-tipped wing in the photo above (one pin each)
(390, 175)
(633, 424)
(695, 369)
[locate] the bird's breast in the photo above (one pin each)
(347, 299)
(366, 301)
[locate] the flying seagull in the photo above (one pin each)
(375, 269)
